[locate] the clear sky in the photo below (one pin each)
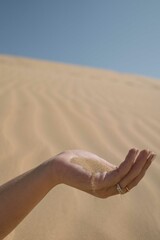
(120, 35)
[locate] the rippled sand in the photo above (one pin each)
(46, 108)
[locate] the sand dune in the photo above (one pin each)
(46, 108)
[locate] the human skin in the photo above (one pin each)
(21, 194)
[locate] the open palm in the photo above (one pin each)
(127, 174)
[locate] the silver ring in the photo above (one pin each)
(119, 189)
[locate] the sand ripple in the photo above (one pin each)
(46, 108)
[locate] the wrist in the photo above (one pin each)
(52, 172)
(59, 165)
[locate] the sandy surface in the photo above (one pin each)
(46, 108)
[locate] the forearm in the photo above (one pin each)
(20, 195)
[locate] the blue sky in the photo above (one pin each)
(116, 35)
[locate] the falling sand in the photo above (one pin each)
(92, 166)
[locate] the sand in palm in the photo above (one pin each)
(91, 165)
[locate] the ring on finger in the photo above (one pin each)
(127, 189)
(121, 190)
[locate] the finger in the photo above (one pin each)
(107, 192)
(141, 175)
(136, 168)
(117, 174)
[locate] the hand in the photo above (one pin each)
(73, 171)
